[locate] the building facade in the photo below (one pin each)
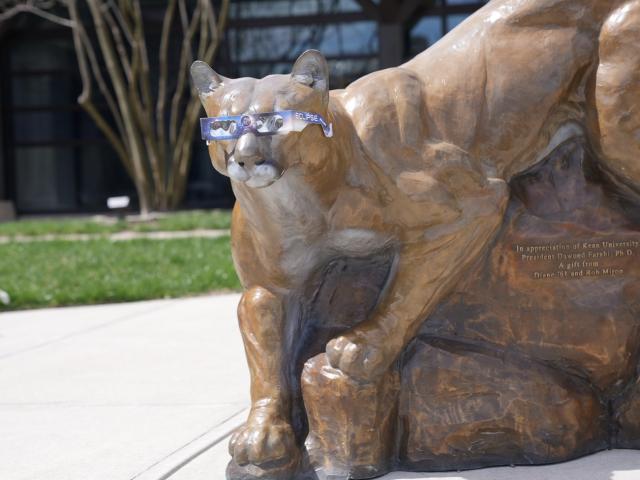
(53, 159)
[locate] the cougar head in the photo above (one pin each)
(258, 161)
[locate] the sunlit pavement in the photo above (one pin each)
(118, 392)
(151, 391)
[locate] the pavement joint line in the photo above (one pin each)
(116, 237)
(115, 405)
(174, 461)
(100, 326)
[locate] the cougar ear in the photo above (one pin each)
(204, 78)
(311, 69)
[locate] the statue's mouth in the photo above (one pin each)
(257, 175)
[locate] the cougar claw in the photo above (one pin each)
(356, 357)
(267, 443)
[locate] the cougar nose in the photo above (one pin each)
(247, 153)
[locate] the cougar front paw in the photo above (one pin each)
(358, 357)
(264, 441)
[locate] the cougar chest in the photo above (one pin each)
(308, 238)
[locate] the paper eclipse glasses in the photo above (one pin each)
(261, 124)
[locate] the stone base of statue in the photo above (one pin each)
(533, 359)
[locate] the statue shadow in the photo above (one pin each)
(608, 465)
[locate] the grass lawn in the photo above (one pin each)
(54, 273)
(187, 220)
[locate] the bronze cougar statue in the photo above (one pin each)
(415, 171)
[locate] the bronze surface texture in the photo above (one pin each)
(451, 280)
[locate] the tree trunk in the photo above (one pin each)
(144, 200)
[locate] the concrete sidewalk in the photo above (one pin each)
(151, 391)
(118, 392)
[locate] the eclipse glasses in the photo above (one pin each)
(261, 124)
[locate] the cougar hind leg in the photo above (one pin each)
(617, 94)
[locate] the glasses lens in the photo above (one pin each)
(215, 129)
(275, 123)
(262, 124)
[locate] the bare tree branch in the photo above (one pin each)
(121, 21)
(84, 98)
(204, 31)
(185, 60)
(213, 47)
(145, 109)
(182, 156)
(102, 84)
(182, 153)
(184, 16)
(211, 18)
(163, 60)
(35, 8)
(120, 46)
(144, 56)
(112, 37)
(140, 167)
